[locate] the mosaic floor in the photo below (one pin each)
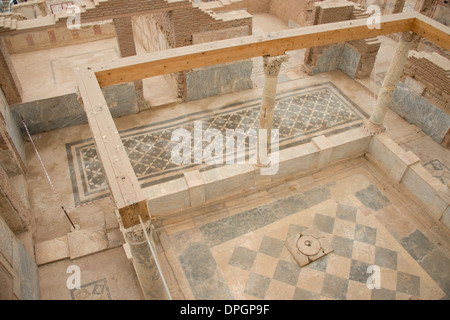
(300, 115)
(97, 290)
(243, 256)
(439, 170)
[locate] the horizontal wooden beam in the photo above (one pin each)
(432, 30)
(122, 181)
(273, 44)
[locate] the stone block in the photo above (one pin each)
(6, 237)
(421, 183)
(297, 159)
(52, 250)
(349, 60)
(383, 149)
(404, 160)
(228, 179)
(349, 144)
(421, 112)
(115, 238)
(219, 79)
(86, 241)
(415, 85)
(167, 196)
(196, 184)
(325, 146)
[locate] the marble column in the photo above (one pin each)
(375, 124)
(147, 272)
(272, 66)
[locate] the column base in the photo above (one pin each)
(373, 129)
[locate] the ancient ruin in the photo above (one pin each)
(224, 150)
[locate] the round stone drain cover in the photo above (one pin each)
(308, 245)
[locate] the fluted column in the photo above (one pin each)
(375, 124)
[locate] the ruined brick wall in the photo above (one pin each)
(327, 12)
(18, 269)
(429, 75)
(291, 11)
(194, 20)
(355, 58)
(368, 50)
(57, 37)
(422, 96)
(155, 32)
(125, 37)
(386, 6)
(9, 82)
(116, 8)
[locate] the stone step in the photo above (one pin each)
(7, 23)
(2, 19)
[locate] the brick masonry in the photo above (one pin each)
(431, 72)
(331, 57)
(9, 81)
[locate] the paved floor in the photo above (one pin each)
(239, 252)
(49, 73)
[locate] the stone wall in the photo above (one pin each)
(191, 21)
(431, 74)
(405, 169)
(386, 6)
(355, 58)
(415, 109)
(18, 270)
(292, 12)
(11, 127)
(58, 37)
(9, 82)
(423, 95)
(218, 79)
(154, 32)
(65, 111)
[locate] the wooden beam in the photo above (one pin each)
(273, 44)
(122, 180)
(432, 30)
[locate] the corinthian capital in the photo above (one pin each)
(272, 65)
(409, 36)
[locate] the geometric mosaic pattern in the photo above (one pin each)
(299, 115)
(438, 170)
(97, 290)
(255, 263)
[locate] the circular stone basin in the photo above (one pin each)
(308, 245)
